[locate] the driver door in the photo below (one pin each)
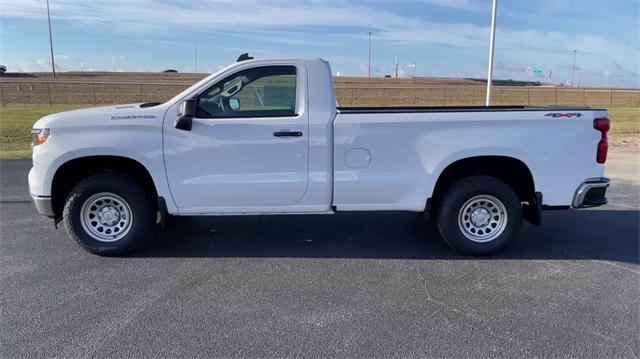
(247, 150)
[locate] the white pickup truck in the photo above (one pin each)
(266, 137)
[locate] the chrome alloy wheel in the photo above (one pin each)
(482, 218)
(106, 217)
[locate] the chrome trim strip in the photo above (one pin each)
(581, 192)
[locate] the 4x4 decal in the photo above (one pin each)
(560, 114)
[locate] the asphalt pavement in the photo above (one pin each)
(364, 285)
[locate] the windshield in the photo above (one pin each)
(198, 84)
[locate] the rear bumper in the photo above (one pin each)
(591, 193)
(43, 205)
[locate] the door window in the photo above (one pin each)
(268, 91)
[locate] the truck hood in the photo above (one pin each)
(104, 115)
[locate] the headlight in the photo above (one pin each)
(39, 136)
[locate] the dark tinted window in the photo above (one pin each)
(268, 91)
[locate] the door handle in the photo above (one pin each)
(287, 134)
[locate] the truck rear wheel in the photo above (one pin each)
(109, 214)
(479, 215)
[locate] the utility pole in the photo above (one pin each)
(53, 63)
(115, 59)
(491, 50)
(579, 77)
(396, 61)
(573, 66)
(196, 67)
(369, 68)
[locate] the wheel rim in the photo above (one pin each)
(482, 218)
(106, 217)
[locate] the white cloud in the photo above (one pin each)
(232, 16)
(293, 23)
(38, 65)
(63, 61)
(469, 5)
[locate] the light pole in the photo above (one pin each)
(53, 63)
(369, 67)
(491, 49)
(196, 67)
(573, 66)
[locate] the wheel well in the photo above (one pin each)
(507, 169)
(72, 172)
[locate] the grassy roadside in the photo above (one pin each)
(16, 122)
(625, 126)
(15, 127)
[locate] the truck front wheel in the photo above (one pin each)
(109, 214)
(479, 215)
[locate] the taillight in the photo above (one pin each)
(602, 125)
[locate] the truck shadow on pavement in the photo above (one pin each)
(589, 234)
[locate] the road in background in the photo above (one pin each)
(348, 285)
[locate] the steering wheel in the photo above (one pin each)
(222, 104)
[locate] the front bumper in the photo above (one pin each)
(43, 205)
(591, 193)
(41, 201)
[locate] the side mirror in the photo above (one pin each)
(234, 104)
(186, 113)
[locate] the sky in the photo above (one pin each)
(443, 38)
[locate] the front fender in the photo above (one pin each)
(47, 161)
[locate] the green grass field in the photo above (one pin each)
(625, 122)
(16, 122)
(15, 127)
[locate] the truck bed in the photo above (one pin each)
(397, 153)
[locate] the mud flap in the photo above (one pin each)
(532, 211)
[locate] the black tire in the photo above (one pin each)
(141, 225)
(471, 191)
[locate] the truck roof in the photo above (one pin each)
(285, 59)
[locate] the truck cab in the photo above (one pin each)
(259, 140)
